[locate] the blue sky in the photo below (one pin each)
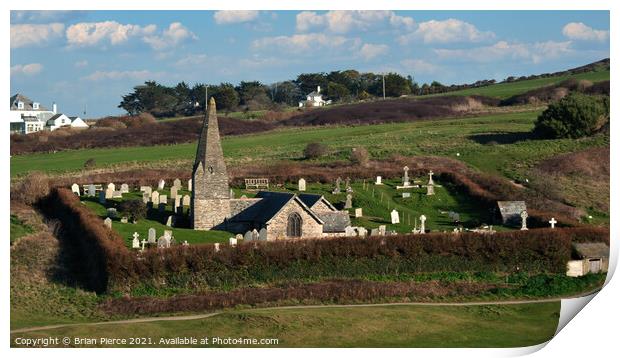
(90, 59)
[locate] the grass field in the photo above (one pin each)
(505, 90)
(498, 143)
(395, 326)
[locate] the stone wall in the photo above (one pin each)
(276, 230)
(210, 213)
(320, 206)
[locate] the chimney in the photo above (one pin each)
(318, 89)
(54, 108)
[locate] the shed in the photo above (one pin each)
(590, 257)
(510, 212)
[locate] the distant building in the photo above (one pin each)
(314, 99)
(510, 212)
(28, 116)
(589, 257)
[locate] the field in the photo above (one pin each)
(390, 326)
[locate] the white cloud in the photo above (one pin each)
(533, 52)
(340, 21)
(419, 66)
(370, 51)
(43, 16)
(24, 35)
(234, 16)
(581, 31)
(446, 31)
(305, 43)
(174, 35)
(82, 63)
(121, 75)
(106, 32)
(28, 69)
(192, 60)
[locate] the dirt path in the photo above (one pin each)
(208, 315)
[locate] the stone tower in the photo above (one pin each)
(211, 195)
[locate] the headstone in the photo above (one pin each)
(430, 189)
(117, 194)
(255, 234)
(374, 232)
(163, 199)
(406, 176)
(109, 193)
(169, 221)
(362, 232)
(108, 223)
(163, 242)
(350, 231)
(136, 242)
(161, 207)
(75, 189)
(216, 247)
(143, 243)
(101, 197)
(161, 184)
(524, 220)
(112, 187)
(146, 197)
(422, 224)
(247, 236)
(395, 217)
(553, 222)
(146, 189)
(185, 243)
(262, 234)
(239, 237)
(358, 212)
(347, 203)
(168, 234)
(347, 182)
(177, 183)
(337, 188)
(189, 185)
(382, 230)
(232, 241)
(186, 200)
(406, 195)
(124, 188)
(112, 212)
(174, 192)
(430, 178)
(124, 220)
(378, 181)
(92, 191)
(152, 236)
(301, 184)
(155, 198)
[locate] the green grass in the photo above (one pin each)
(19, 229)
(505, 90)
(155, 220)
(395, 326)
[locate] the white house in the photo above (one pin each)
(314, 99)
(26, 115)
(77, 122)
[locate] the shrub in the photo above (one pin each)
(32, 188)
(90, 163)
(359, 156)
(135, 209)
(315, 150)
(574, 116)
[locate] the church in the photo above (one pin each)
(277, 215)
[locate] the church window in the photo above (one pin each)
(293, 227)
(210, 169)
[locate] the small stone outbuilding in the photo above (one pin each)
(591, 257)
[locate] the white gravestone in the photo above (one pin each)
(163, 199)
(239, 237)
(146, 197)
(395, 217)
(152, 236)
(124, 188)
(358, 212)
(161, 184)
(109, 193)
(91, 190)
(350, 231)
(362, 232)
(232, 241)
(422, 224)
(382, 230)
(189, 185)
(406, 176)
(169, 221)
(348, 204)
(262, 234)
(146, 189)
(136, 242)
(108, 223)
(174, 192)
(301, 184)
(247, 236)
(406, 195)
(143, 243)
(177, 183)
(186, 200)
(378, 182)
(75, 189)
(216, 247)
(553, 222)
(112, 186)
(430, 178)
(524, 220)
(155, 198)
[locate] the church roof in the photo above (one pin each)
(311, 199)
(335, 221)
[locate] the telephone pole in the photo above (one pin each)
(383, 76)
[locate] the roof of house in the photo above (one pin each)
(511, 207)
(335, 221)
(591, 250)
(51, 120)
(27, 103)
(314, 94)
(311, 199)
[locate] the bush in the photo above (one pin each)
(32, 188)
(359, 156)
(135, 209)
(574, 116)
(315, 150)
(90, 163)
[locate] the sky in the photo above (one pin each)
(86, 60)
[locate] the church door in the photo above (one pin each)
(293, 227)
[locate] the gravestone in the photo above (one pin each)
(152, 236)
(186, 200)
(124, 220)
(430, 178)
(406, 176)
(177, 203)
(136, 242)
(92, 191)
(163, 199)
(177, 183)
(347, 185)
(161, 207)
(101, 197)
(117, 194)
(185, 243)
(75, 189)
(111, 186)
(155, 198)
(349, 231)
(406, 195)
(239, 237)
(108, 223)
(189, 185)
(124, 188)
(232, 241)
(161, 184)
(163, 242)
(358, 212)
(395, 217)
(553, 222)
(146, 197)
(109, 193)
(524, 220)
(169, 221)
(378, 181)
(247, 236)
(143, 243)
(382, 230)
(430, 189)
(216, 247)
(168, 234)
(255, 234)
(337, 188)
(422, 224)
(174, 192)
(347, 203)
(146, 189)
(374, 232)
(112, 213)
(301, 184)
(262, 234)
(362, 232)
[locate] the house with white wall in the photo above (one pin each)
(314, 99)
(28, 116)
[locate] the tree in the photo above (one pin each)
(226, 97)
(396, 85)
(308, 82)
(253, 95)
(574, 116)
(134, 208)
(286, 92)
(337, 91)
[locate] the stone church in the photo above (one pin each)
(277, 215)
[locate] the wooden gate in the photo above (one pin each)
(595, 265)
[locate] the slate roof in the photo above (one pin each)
(311, 199)
(335, 221)
(314, 94)
(591, 250)
(27, 103)
(268, 206)
(511, 211)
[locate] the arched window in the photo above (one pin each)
(293, 226)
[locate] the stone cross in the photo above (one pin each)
(301, 184)
(348, 204)
(136, 242)
(395, 217)
(143, 243)
(75, 189)
(553, 222)
(378, 181)
(337, 188)
(185, 243)
(406, 176)
(430, 178)
(347, 182)
(422, 226)
(524, 220)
